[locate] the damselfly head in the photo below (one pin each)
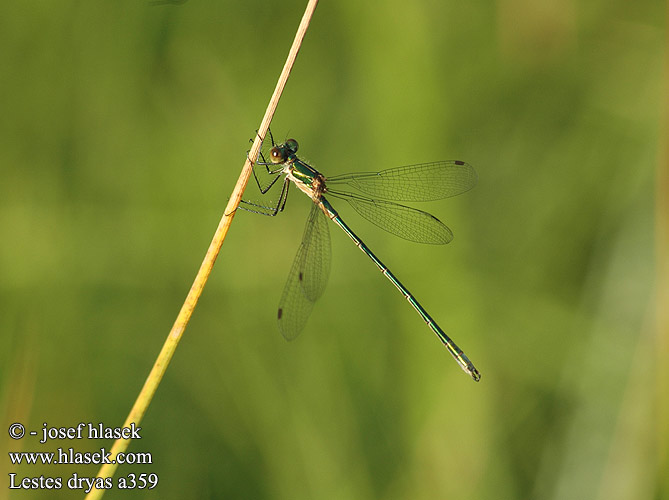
(281, 153)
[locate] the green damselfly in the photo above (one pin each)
(311, 267)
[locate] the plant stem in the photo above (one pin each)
(153, 380)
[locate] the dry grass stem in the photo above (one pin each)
(166, 353)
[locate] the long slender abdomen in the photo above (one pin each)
(459, 356)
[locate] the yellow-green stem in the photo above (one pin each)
(153, 380)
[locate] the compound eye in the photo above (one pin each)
(276, 155)
(292, 145)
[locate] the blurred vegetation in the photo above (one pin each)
(124, 129)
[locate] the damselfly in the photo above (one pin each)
(311, 267)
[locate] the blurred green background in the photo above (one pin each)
(124, 128)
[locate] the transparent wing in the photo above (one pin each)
(405, 222)
(308, 275)
(421, 182)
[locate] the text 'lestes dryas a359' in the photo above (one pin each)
(311, 267)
